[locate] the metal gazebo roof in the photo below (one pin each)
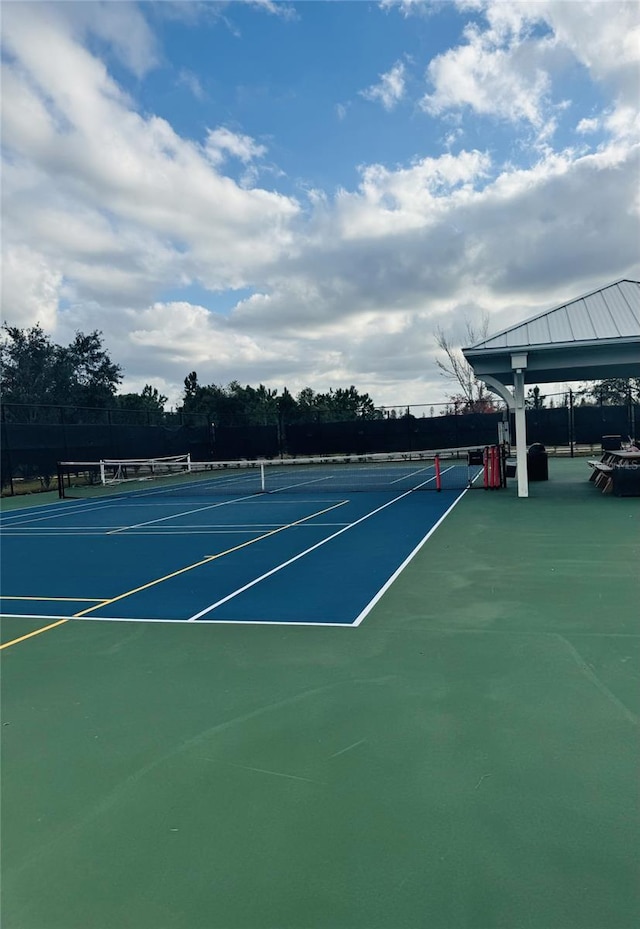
(589, 338)
(592, 337)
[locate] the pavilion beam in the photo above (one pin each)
(497, 387)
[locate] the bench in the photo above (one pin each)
(602, 475)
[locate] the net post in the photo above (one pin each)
(60, 482)
(436, 462)
(485, 467)
(189, 461)
(262, 483)
(103, 475)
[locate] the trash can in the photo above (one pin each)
(537, 463)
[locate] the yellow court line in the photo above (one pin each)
(206, 560)
(30, 635)
(56, 599)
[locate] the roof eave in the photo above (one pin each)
(475, 352)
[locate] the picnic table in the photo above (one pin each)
(617, 472)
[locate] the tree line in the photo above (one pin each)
(36, 371)
(262, 406)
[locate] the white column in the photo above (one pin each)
(521, 434)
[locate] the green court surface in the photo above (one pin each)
(467, 758)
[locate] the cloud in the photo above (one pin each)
(390, 90)
(30, 289)
(497, 72)
(586, 126)
(407, 8)
(79, 151)
(603, 37)
(121, 26)
(275, 8)
(108, 208)
(504, 68)
(392, 201)
(223, 142)
(190, 80)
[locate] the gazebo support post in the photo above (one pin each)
(521, 434)
(516, 404)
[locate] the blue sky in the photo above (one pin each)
(304, 194)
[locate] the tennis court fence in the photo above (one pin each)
(29, 451)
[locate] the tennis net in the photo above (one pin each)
(444, 469)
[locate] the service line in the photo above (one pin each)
(207, 559)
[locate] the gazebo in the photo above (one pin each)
(592, 337)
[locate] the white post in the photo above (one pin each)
(262, 484)
(103, 477)
(521, 434)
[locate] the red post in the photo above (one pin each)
(438, 477)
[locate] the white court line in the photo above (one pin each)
(161, 519)
(83, 507)
(459, 630)
(68, 505)
(183, 622)
(409, 558)
(167, 532)
(285, 564)
(316, 480)
(413, 473)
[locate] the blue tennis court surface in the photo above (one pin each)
(260, 558)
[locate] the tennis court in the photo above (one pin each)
(320, 546)
(465, 757)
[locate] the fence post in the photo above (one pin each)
(571, 423)
(5, 446)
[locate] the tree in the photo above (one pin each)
(349, 404)
(535, 400)
(287, 406)
(94, 377)
(36, 371)
(252, 406)
(236, 405)
(233, 405)
(454, 366)
(616, 391)
(191, 386)
(33, 370)
(335, 405)
(149, 401)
